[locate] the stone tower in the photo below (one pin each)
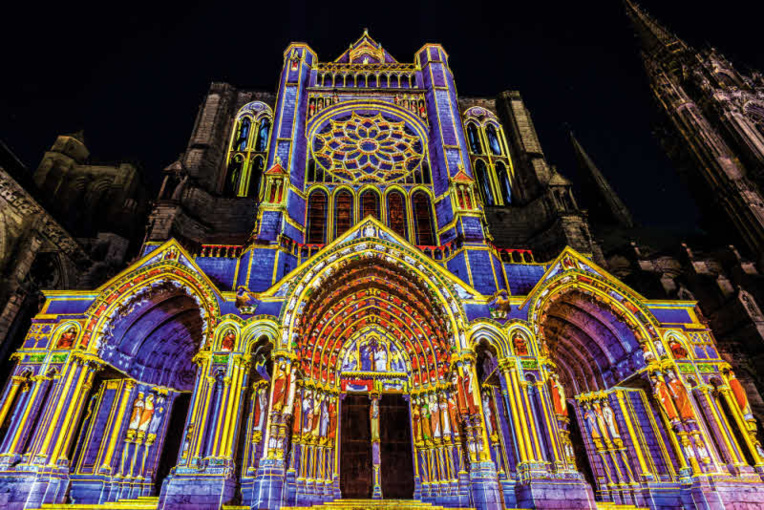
(715, 128)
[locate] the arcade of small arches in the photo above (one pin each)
(408, 213)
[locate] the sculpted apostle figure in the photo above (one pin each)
(66, 340)
(135, 416)
(677, 349)
(609, 415)
(558, 396)
(146, 414)
(228, 341)
(590, 416)
(664, 398)
(261, 407)
(681, 398)
(521, 346)
(157, 418)
(416, 418)
(741, 398)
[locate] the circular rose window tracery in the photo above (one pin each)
(367, 148)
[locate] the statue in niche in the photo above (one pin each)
(416, 418)
(663, 396)
(228, 341)
(280, 387)
(261, 407)
(374, 415)
(146, 414)
(444, 415)
(156, 420)
(435, 416)
(558, 396)
(681, 398)
(741, 398)
(318, 413)
(332, 412)
(590, 416)
(659, 348)
(135, 416)
(521, 345)
(609, 416)
(490, 423)
(426, 420)
(677, 350)
(601, 423)
(66, 340)
(380, 358)
(307, 412)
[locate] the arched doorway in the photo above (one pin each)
(132, 429)
(594, 343)
(373, 345)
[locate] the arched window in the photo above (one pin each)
(255, 175)
(262, 135)
(484, 185)
(317, 217)
(504, 186)
(426, 175)
(234, 175)
(425, 235)
(396, 213)
(242, 134)
(472, 133)
(369, 204)
(493, 140)
(343, 212)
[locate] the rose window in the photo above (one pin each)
(367, 149)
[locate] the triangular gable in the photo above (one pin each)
(365, 51)
(276, 169)
(371, 227)
(570, 259)
(462, 176)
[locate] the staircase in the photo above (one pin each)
(373, 504)
(142, 503)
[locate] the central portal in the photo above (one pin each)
(356, 453)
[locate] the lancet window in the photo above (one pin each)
(425, 235)
(370, 204)
(396, 213)
(248, 151)
(317, 217)
(343, 212)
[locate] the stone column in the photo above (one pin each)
(376, 454)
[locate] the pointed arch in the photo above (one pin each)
(343, 211)
(397, 213)
(370, 204)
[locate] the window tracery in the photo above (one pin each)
(248, 150)
(490, 158)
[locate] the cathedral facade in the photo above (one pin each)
(320, 312)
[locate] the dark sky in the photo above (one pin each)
(133, 74)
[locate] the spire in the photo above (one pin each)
(653, 36)
(606, 205)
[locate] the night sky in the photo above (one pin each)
(132, 75)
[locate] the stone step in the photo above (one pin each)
(141, 503)
(606, 505)
(375, 504)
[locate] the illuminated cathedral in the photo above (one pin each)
(320, 313)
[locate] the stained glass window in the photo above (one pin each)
(484, 185)
(254, 178)
(242, 135)
(472, 133)
(234, 174)
(363, 148)
(425, 236)
(503, 177)
(343, 212)
(396, 213)
(369, 204)
(317, 217)
(493, 140)
(262, 135)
